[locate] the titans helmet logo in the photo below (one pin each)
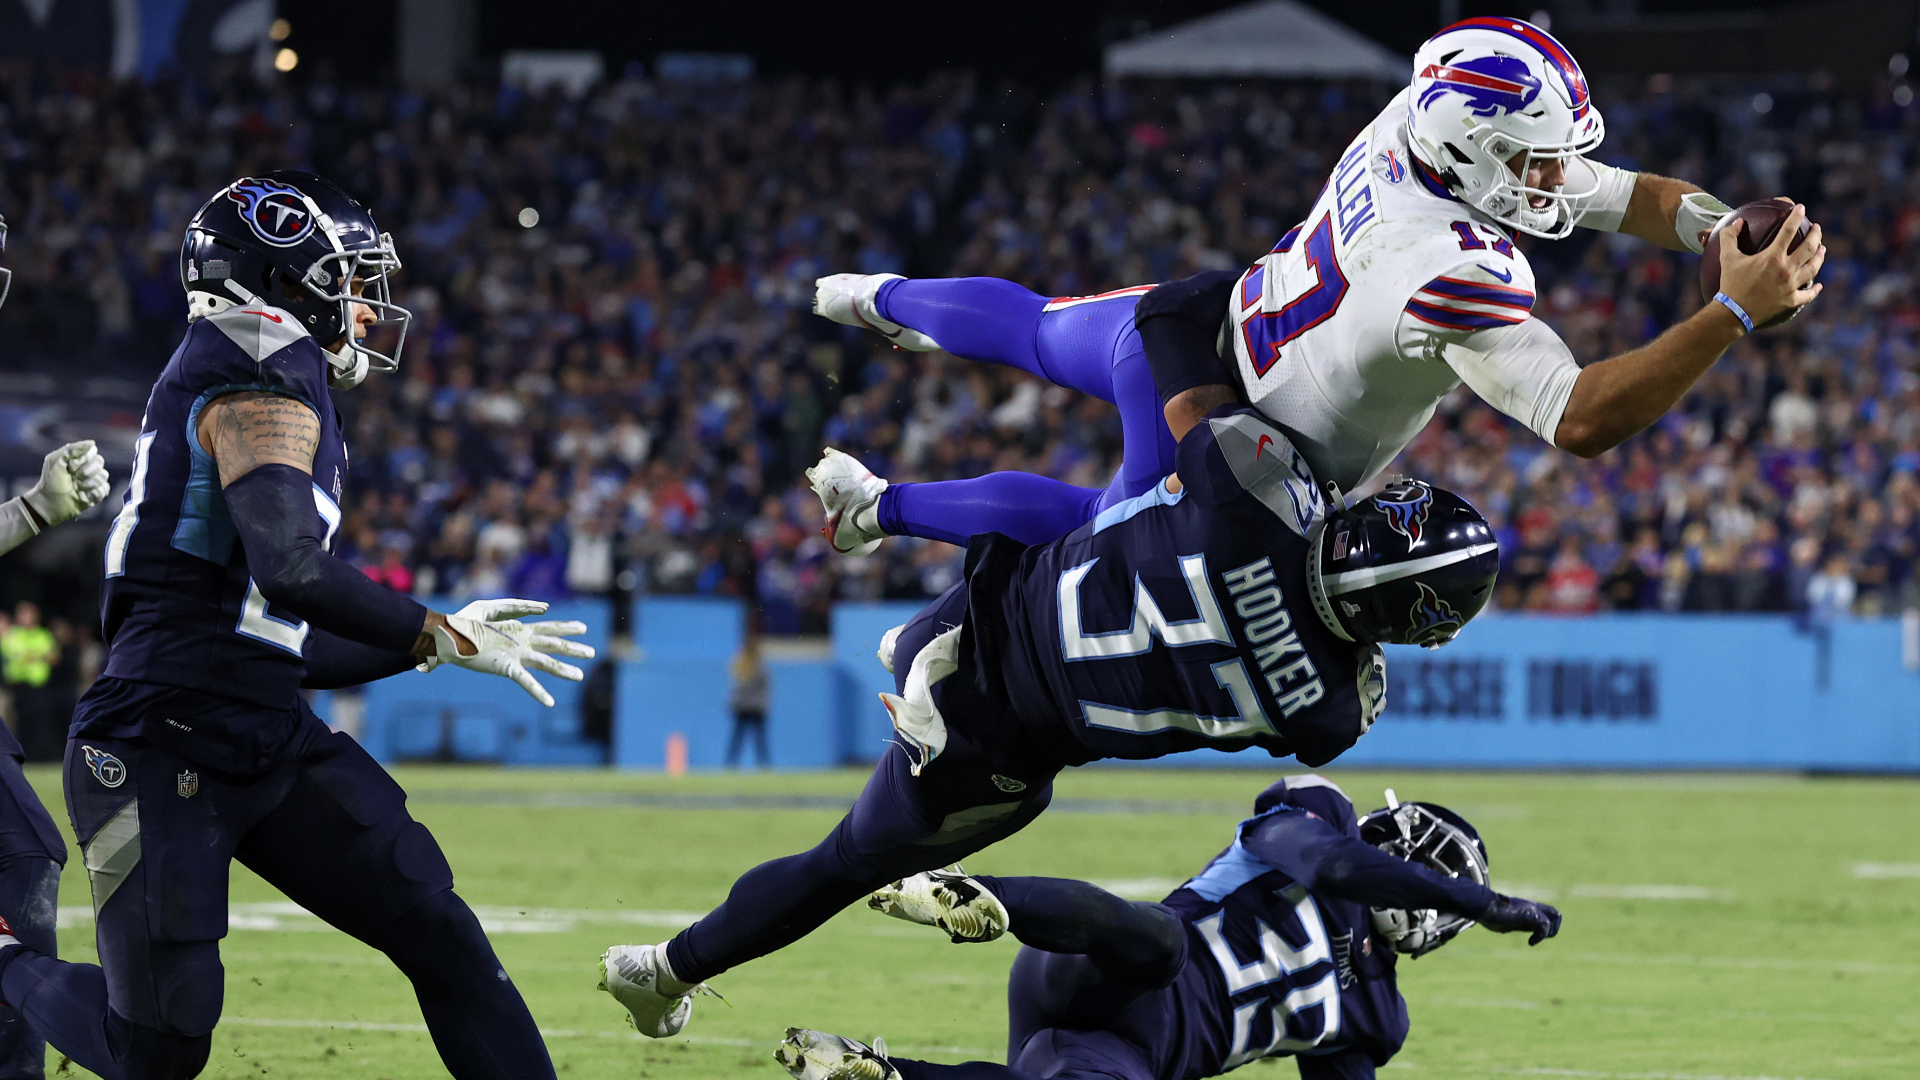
(276, 213)
(1434, 621)
(1406, 507)
(1492, 85)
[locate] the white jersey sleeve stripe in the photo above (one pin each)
(1461, 317)
(1061, 302)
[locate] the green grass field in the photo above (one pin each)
(1716, 926)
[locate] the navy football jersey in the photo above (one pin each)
(178, 607)
(1275, 970)
(1178, 621)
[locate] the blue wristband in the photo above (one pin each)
(1738, 311)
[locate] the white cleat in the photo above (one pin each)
(948, 899)
(846, 488)
(816, 1055)
(631, 973)
(848, 299)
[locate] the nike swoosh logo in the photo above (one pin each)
(1506, 277)
(270, 315)
(1261, 446)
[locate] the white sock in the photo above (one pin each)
(670, 984)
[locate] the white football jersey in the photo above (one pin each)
(1385, 298)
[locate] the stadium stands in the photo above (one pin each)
(612, 362)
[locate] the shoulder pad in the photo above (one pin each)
(259, 329)
(1481, 294)
(1266, 465)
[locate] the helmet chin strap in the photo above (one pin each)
(346, 367)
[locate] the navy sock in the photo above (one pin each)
(478, 1020)
(67, 1003)
(29, 898)
(1031, 509)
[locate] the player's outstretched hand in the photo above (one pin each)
(1508, 914)
(72, 479)
(1773, 280)
(503, 645)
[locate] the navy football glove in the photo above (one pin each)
(1508, 914)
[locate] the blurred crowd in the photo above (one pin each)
(613, 381)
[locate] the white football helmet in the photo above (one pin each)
(1489, 89)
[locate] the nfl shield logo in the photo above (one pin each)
(187, 784)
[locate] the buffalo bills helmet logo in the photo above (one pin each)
(1492, 85)
(1434, 621)
(1406, 506)
(276, 213)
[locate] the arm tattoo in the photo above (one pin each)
(246, 430)
(1187, 408)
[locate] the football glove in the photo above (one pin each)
(507, 647)
(72, 479)
(1508, 914)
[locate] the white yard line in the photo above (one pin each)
(976, 1051)
(290, 917)
(1752, 963)
(1142, 888)
(1584, 1074)
(1886, 870)
(1611, 892)
(560, 1033)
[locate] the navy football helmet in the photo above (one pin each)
(1408, 566)
(299, 243)
(1438, 839)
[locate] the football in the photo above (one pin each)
(1763, 220)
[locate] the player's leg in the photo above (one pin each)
(893, 830)
(978, 318)
(31, 854)
(962, 800)
(342, 845)
(1134, 945)
(147, 1012)
(1085, 343)
(1056, 1054)
(29, 904)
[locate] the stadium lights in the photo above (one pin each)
(280, 30)
(285, 60)
(528, 217)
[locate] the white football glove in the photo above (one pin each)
(72, 479)
(508, 647)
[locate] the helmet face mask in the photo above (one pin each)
(361, 278)
(297, 242)
(1491, 98)
(6, 274)
(1438, 839)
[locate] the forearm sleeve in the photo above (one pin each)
(16, 526)
(334, 662)
(1308, 850)
(1179, 325)
(1612, 190)
(272, 509)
